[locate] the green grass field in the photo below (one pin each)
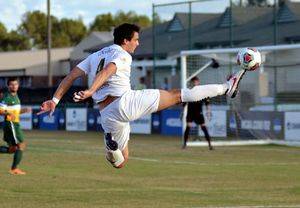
(68, 169)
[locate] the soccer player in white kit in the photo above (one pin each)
(118, 104)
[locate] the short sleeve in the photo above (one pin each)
(120, 60)
(85, 65)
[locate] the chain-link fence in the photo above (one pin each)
(202, 24)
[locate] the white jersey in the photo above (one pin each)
(118, 83)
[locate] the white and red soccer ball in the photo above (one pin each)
(249, 59)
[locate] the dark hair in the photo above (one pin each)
(195, 79)
(11, 79)
(124, 31)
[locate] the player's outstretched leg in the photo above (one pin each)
(233, 82)
(173, 97)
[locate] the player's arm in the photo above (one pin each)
(63, 87)
(67, 82)
(99, 80)
(25, 110)
(5, 112)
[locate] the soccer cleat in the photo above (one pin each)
(17, 171)
(233, 83)
(110, 143)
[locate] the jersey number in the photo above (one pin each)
(100, 65)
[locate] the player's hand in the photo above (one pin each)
(82, 95)
(12, 116)
(47, 106)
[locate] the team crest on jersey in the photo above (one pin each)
(123, 59)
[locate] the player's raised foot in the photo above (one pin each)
(17, 171)
(233, 83)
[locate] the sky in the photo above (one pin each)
(11, 11)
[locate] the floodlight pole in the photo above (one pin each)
(153, 45)
(275, 53)
(49, 45)
(190, 25)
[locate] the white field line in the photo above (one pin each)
(256, 206)
(68, 141)
(93, 152)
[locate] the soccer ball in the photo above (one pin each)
(249, 59)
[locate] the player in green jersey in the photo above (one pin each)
(10, 108)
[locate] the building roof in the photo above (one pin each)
(24, 59)
(95, 38)
(252, 26)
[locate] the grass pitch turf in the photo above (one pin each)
(68, 169)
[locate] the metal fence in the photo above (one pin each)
(203, 24)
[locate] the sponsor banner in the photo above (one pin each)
(98, 122)
(47, 122)
(26, 121)
(292, 126)
(93, 120)
(141, 125)
(61, 119)
(171, 123)
(216, 125)
(156, 123)
(76, 119)
(35, 119)
(256, 124)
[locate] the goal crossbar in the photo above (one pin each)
(234, 50)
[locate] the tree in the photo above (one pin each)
(34, 26)
(105, 22)
(16, 42)
(12, 40)
(74, 29)
(3, 31)
(131, 17)
(65, 32)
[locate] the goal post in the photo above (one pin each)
(257, 114)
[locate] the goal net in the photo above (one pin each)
(258, 114)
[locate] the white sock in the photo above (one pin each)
(201, 92)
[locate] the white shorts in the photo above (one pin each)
(132, 105)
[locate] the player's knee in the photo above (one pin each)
(12, 149)
(176, 93)
(22, 146)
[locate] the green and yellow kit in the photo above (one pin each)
(11, 105)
